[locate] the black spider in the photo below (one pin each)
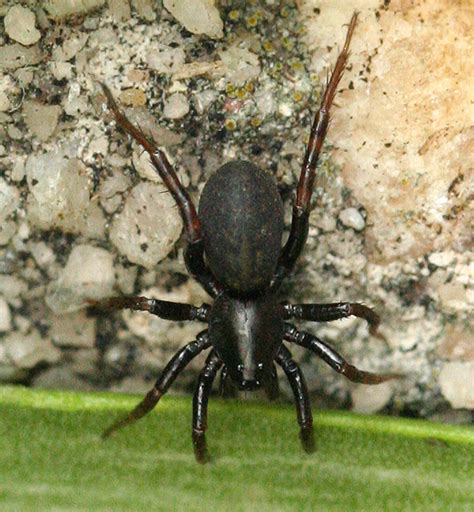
(234, 251)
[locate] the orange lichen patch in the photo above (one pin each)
(132, 98)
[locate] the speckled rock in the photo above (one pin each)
(9, 202)
(12, 287)
(199, 16)
(145, 9)
(111, 190)
(20, 25)
(165, 59)
(88, 274)
(61, 377)
(5, 316)
(28, 350)
(119, 9)
(59, 195)
(16, 56)
(457, 344)
(73, 330)
(65, 8)
(404, 132)
(70, 48)
(240, 64)
(147, 228)
(41, 119)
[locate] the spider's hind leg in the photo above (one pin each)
(200, 401)
(226, 386)
(272, 389)
(300, 391)
(333, 359)
(177, 363)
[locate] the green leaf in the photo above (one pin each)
(52, 458)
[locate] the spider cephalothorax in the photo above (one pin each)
(234, 251)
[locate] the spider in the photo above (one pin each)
(234, 250)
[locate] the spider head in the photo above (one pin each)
(246, 333)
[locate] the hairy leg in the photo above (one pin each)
(333, 359)
(194, 256)
(299, 224)
(335, 311)
(300, 391)
(175, 366)
(201, 398)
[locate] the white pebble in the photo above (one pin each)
(5, 316)
(9, 199)
(456, 381)
(20, 25)
(28, 350)
(285, 109)
(88, 274)
(265, 102)
(147, 228)
(165, 59)
(352, 218)
(441, 259)
(198, 16)
(73, 330)
(176, 106)
(203, 99)
(370, 399)
(59, 195)
(42, 253)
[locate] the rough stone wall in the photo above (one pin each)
(82, 214)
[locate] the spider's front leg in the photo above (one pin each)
(200, 401)
(175, 366)
(300, 391)
(299, 223)
(194, 254)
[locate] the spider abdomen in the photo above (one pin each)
(242, 222)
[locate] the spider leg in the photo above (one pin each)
(226, 388)
(333, 359)
(335, 311)
(194, 256)
(299, 223)
(161, 308)
(300, 391)
(200, 401)
(174, 367)
(271, 385)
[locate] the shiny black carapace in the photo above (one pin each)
(235, 252)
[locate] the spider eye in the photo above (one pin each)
(260, 366)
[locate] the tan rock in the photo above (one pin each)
(404, 133)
